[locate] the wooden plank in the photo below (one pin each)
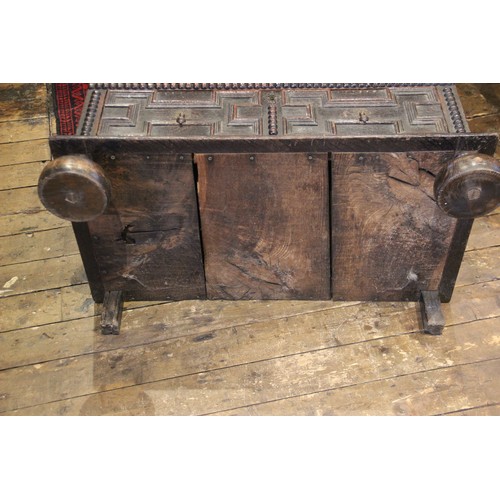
(479, 266)
(40, 275)
(47, 306)
(24, 152)
(148, 243)
(177, 319)
(485, 233)
(163, 322)
(265, 225)
(20, 201)
(40, 245)
(33, 309)
(24, 130)
(474, 102)
(20, 101)
(488, 123)
(94, 385)
(483, 143)
(23, 175)
(424, 393)
(389, 238)
(30, 222)
(196, 352)
(484, 411)
(475, 301)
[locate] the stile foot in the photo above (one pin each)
(112, 313)
(432, 315)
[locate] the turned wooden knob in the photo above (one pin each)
(469, 186)
(74, 188)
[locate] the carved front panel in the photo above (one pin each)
(181, 113)
(382, 111)
(265, 112)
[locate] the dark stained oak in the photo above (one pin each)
(264, 220)
(147, 243)
(112, 313)
(389, 238)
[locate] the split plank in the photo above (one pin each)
(372, 195)
(195, 351)
(239, 385)
(424, 393)
(24, 152)
(41, 245)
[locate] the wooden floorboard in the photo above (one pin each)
(225, 357)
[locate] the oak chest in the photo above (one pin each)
(272, 191)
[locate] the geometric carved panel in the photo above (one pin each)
(164, 112)
(174, 113)
(362, 112)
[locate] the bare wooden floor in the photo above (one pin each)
(225, 358)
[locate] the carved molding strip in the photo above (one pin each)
(252, 86)
(455, 115)
(272, 113)
(89, 118)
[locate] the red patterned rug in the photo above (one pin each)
(68, 104)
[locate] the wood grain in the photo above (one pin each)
(24, 152)
(22, 223)
(389, 238)
(40, 275)
(344, 328)
(214, 388)
(21, 101)
(488, 410)
(486, 233)
(23, 175)
(39, 245)
(423, 393)
(49, 321)
(265, 225)
(164, 322)
(25, 130)
(147, 243)
(20, 201)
